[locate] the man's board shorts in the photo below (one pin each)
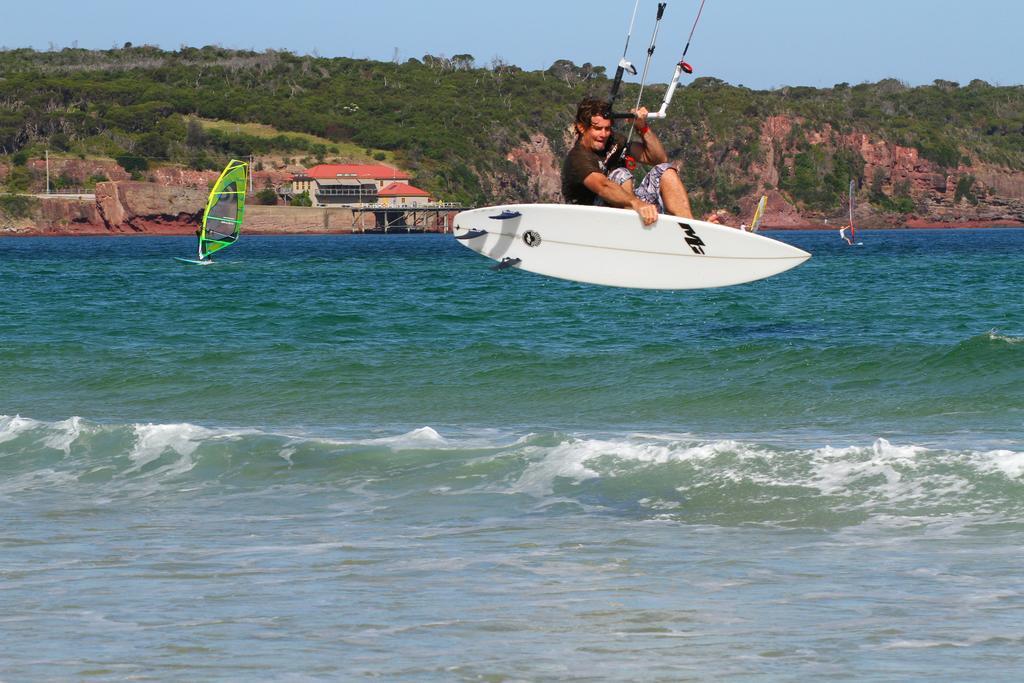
(649, 189)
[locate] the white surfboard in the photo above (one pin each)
(606, 246)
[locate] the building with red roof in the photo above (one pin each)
(402, 194)
(379, 173)
(348, 184)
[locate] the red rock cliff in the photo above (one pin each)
(998, 192)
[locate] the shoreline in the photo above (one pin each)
(914, 225)
(146, 208)
(189, 231)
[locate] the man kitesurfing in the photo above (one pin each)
(590, 238)
(596, 172)
(599, 167)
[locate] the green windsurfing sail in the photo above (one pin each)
(222, 219)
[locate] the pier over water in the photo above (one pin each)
(431, 217)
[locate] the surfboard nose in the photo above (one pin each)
(792, 256)
(778, 249)
(798, 252)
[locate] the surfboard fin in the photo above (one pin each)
(471, 234)
(505, 215)
(506, 263)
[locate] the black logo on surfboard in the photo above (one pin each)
(532, 238)
(695, 242)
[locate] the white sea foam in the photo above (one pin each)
(287, 453)
(570, 459)
(152, 441)
(66, 433)
(564, 460)
(47, 478)
(839, 470)
(865, 475)
(921, 644)
(1009, 463)
(967, 641)
(424, 437)
(994, 335)
(12, 426)
(428, 437)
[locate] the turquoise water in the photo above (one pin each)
(369, 456)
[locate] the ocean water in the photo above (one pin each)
(332, 458)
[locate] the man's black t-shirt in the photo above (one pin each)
(581, 162)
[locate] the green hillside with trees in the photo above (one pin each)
(451, 122)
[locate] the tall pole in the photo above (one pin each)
(252, 167)
(47, 171)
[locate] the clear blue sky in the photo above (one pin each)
(756, 43)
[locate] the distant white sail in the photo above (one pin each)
(759, 213)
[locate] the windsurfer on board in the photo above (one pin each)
(842, 233)
(595, 171)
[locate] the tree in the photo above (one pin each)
(194, 136)
(152, 146)
(878, 179)
(15, 206)
(464, 62)
(95, 178)
(60, 142)
(200, 162)
(302, 199)
(566, 70)
(267, 196)
(965, 190)
(132, 163)
(19, 179)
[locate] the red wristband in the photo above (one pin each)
(643, 131)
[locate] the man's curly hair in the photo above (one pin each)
(589, 108)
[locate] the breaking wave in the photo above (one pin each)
(677, 477)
